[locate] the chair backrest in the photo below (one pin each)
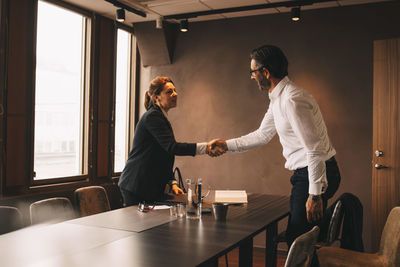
(334, 224)
(10, 219)
(302, 250)
(51, 210)
(352, 226)
(91, 200)
(390, 240)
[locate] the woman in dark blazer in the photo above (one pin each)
(150, 163)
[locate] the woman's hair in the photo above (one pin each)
(272, 58)
(156, 87)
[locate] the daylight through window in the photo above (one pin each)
(60, 145)
(122, 102)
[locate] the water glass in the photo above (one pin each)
(173, 211)
(181, 210)
(194, 211)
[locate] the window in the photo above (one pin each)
(123, 98)
(61, 95)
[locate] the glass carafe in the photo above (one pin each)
(193, 199)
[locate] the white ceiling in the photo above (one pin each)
(158, 8)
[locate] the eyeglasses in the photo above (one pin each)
(143, 207)
(252, 71)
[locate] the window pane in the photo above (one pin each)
(59, 92)
(122, 99)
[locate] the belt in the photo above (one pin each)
(332, 159)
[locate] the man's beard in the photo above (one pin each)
(264, 84)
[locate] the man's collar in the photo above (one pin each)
(278, 88)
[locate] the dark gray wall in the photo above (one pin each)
(330, 54)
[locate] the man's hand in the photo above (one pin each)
(176, 190)
(314, 210)
(216, 147)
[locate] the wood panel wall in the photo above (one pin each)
(19, 93)
(3, 52)
(105, 97)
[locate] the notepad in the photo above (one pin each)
(230, 196)
(161, 207)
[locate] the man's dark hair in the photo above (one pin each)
(272, 58)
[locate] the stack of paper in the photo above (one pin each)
(230, 196)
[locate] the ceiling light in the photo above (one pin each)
(121, 15)
(184, 25)
(296, 13)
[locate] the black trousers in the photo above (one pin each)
(298, 223)
(130, 199)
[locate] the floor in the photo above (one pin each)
(258, 259)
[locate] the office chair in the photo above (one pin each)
(388, 254)
(10, 219)
(332, 233)
(51, 210)
(302, 250)
(335, 223)
(91, 200)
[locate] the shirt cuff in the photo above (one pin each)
(172, 182)
(201, 148)
(231, 144)
(316, 189)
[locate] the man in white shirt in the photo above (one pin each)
(295, 116)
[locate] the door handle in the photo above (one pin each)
(379, 153)
(379, 166)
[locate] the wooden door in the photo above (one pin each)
(386, 134)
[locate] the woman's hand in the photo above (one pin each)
(176, 190)
(216, 148)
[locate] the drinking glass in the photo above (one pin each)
(195, 198)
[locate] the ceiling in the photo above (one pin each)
(159, 8)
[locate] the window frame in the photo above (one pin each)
(4, 5)
(86, 95)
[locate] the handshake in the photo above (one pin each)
(216, 148)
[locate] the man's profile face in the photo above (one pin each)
(259, 75)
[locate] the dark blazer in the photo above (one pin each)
(150, 163)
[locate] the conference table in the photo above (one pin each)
(129, 237)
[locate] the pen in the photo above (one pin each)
(199, 190)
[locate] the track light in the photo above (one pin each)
(295, 13)
(184, 25)
(159, 23)
(121, 15)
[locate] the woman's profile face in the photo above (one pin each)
(168, 97)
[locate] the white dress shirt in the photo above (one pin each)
(294, 114)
